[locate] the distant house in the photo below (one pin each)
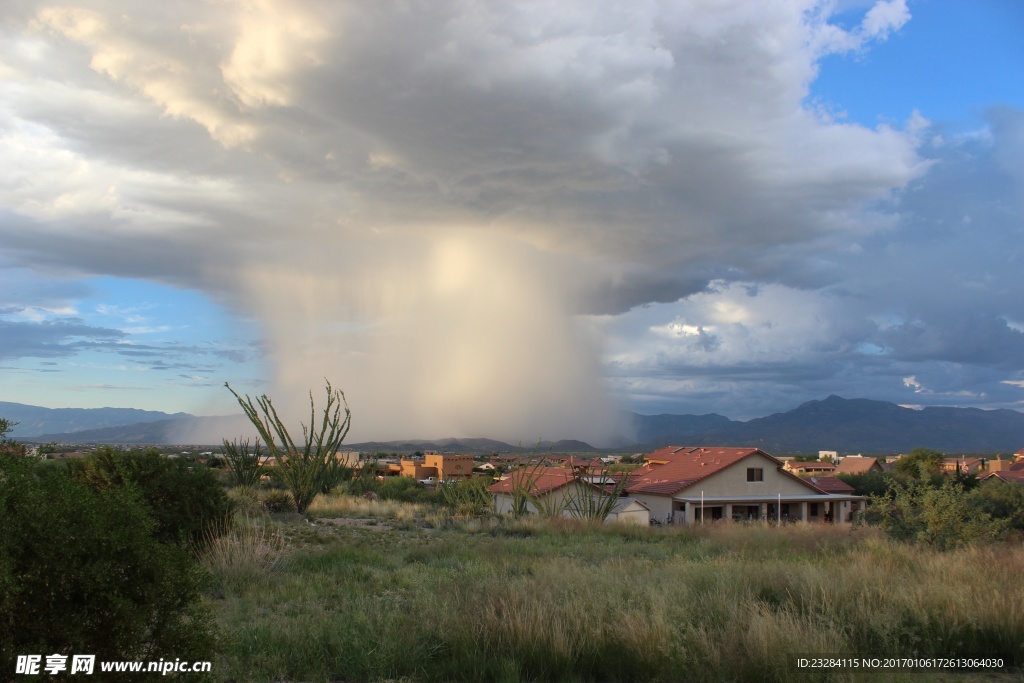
(553, 490)
(809, 467)
(437, 466)
(858, 464)
(963, 465)
(999, 465)
(688, 485)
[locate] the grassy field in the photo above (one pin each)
(375, 591)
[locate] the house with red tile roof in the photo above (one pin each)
(809, 467)
(831, 485)
(693, 484)
(555, 491)
(858, 464)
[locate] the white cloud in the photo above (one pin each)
(420, 200)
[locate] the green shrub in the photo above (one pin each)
(941, 518)
(186, 500)
(245, 501)
(82, 573)
(276, 500)
(1000, 500)
(407, 490)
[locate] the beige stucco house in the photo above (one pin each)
(692, 484)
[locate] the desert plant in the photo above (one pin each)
(468, 496)
(590, 502)
(304, 470)
(186, 501)
(276, 500)
(245, 465)
(81, 571)
(245, 501)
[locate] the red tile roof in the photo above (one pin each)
(1017, 466)
(832, 484)
(538, 480)
(686, 466)
(857, 465)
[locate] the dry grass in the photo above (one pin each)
(499, 599)
(343, 505)
(246, 555)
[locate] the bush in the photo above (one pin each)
(941, 518)
(82, 573)
(245, 501)
(1000, 500)
(186, 501)
(276, 500)
(406, 490)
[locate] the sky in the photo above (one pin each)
(512, 219)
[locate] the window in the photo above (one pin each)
(755, 474)
(814, 510)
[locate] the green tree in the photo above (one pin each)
(921, 463)
(305, 468)
(9, 446)
(186, 501)
(939, 517)
(867, 484)
(82, 572)
(1001, 500)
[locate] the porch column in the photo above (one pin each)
(762, 511)
(691, 514)
(803, 511)
(727, 514)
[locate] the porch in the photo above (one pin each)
(829, 508)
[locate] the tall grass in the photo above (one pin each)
(245, 556)
(562, 600)
(342, 505)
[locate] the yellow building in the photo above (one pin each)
(440, 467)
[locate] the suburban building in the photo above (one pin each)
(963, 465)
(692, 484)
(998, 464)
(858, 464)
(552, 490)
(809, 467)
(440, 467)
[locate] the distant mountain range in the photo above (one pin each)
(34, 421)
(848, 426)
(839, 424)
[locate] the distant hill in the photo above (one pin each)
(472, 446)
(658, 428)
(34, 420)
(186, 430)
(863, 425)
(845, 425)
